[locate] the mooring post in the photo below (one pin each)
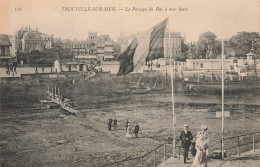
(179, 152)
(222, 157)
(154, 164)
(254, 142)
(164, 151)
(238, 144)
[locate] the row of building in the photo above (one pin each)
(100, 47)
(103, 48)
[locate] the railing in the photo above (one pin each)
(152, 158)
(159, 155)
(242, 143)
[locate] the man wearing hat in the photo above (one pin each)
(186, 138)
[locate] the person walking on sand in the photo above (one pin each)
(202, 143)
(136, 129)
(186, 138)
(115, 123)
(126, 125)
(129, 131)
(109, 124)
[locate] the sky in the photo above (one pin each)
(202, 15)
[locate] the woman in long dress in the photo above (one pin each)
(202, 142)
(129, 131)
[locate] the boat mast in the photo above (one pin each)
(222, 141)
(169, 47)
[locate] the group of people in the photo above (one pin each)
(11, 69)
(111, 122)
(201, 145)
(129, 129)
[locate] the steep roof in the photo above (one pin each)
(4, 40)
(32, 35)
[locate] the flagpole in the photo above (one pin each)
(222, 141)
(173, 108)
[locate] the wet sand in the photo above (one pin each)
(31, 135)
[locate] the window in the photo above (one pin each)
(201, 65)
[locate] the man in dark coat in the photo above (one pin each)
(109, 123)
(136, 129)
(115, 123)
(186, 138)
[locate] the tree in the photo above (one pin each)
(184, 50)
(208, 46)
(45, 57)
(241, 43)
(192, 52)
(184, 47)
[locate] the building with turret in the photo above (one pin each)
(26, 40)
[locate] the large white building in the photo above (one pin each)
(209, 64)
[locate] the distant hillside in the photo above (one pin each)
(46, 57)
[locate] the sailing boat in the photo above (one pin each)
(137, 84)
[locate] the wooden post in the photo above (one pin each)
(142, 161)
(154, 164)
(166, 83)
(221, 146)
(179, 152)
(238, 144)
(254, 142)
(222, 90)
(164, 151)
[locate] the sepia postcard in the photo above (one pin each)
(130, 83)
